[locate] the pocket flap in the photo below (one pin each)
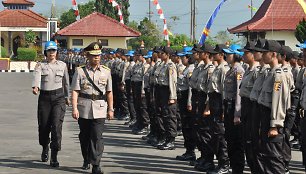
(60, 73)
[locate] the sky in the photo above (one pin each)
(232, 13)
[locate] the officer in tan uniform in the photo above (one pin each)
(166, 91)
(273, 101)
(51, 79)
(92, 103)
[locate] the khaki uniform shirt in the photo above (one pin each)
(51, 76)
(89, 109)
(183, 82)
(303, 89)
(157, 67)
(299, 79)
(147, 77)
(195, 75)
(248, 80)
(168, 77)
(262, 74)
(204, 77)
(216, 83)
(128, 72)
(295, 71)
(232, 83)
(180, 69)
(274, 95)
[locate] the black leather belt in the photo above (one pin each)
(52, 92)
(92, 96)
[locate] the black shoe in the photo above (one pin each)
(188, 156)
(296, 146)
(85, 166)
(152, 141)
(53, 160)
(197, 161)
(160, 142)
(143, 131)
(205, 167)
(96, 170)
(129, 122)
(179, 133)
(147, 136)
(168, 145)
(220, 170)
(45, 154)
(124, 118)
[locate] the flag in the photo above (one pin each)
(76, 10)
(209, 23)
(303, 4)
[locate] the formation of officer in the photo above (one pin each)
(231, 103)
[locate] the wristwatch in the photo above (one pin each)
(111, 109)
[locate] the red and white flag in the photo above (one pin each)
(76, 10)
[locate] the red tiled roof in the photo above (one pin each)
(25, 2)
(97, 24)
(273, 14)
(21, 18)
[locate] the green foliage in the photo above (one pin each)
(68, 17)
(150, 34)
(3, 52)
(300, 32)
(104, 7)
(224, 36)
(26, 54)
(30, 37)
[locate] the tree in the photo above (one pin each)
(68, 17)
(150, 34)
(106, 8)
(300, 32)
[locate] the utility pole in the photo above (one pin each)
(251, 9)
(53, 10)
(194, 22)
(150, 11)
(191, 20)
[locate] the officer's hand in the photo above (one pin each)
(35, 90)
(206, 112)
(237, 120)
(110, 115)
(75, 113)
(171, 102)
(273, 132)
(68, 102)
(189, 108)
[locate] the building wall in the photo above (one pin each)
(287, 36)
(113, 42)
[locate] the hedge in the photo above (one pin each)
(3, 52)
(26, 54)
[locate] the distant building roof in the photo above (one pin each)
(21, 2)
(21, 18)
(273, 14)
(97, 24)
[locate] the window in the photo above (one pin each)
(77, 42)
(104, 42)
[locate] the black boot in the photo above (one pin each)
(168, 145)
(85, 166)
(187, 156)
(53, 161)
(45, 154)
(96, 169)
(160, 142)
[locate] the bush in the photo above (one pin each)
(26, 54)
(3, 52)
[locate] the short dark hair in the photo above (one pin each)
(237, 58)
(191, 59)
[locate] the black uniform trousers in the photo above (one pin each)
(140, 102)
(167, 117)
(303, 139)
(217, 142)
(123, 101)
(187, 122)
(270, 156)
(249, 113)
(201, 123)
(115, 95)
(152, 106)
(51, 112)
(129, 95)
(234, 138)
(91, 139)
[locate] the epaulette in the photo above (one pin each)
(285, 69)
(105, 67)
(210, 66)
(278, 70)
(258, 67)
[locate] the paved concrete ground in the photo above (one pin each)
(124, 152)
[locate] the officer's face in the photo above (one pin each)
(184, 60)
(247, 57)
(230, 58)
(300, 62)
(51, 54)
(267, 57)
(164, 56)
(257, 56)
(196, 55)
(94, 59)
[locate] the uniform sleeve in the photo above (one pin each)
(109, 83)
(66, 82)
(239, 76)
(279, 98)
(37, 76)
(126, 65)
(189, 89)
(172, 82)
(75, 84)
(222, 78)
(145, 69)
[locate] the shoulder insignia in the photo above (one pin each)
(170, 64)
(278, 71)
(277, 85)
(285, 69)
(210, 66)
(105, 67)
(239, 76)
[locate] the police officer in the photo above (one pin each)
(232, 109)
(273, 101)
(215, 94)
(92, 102)
(166, 93)
(52, 80)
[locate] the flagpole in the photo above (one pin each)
(251, 9)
